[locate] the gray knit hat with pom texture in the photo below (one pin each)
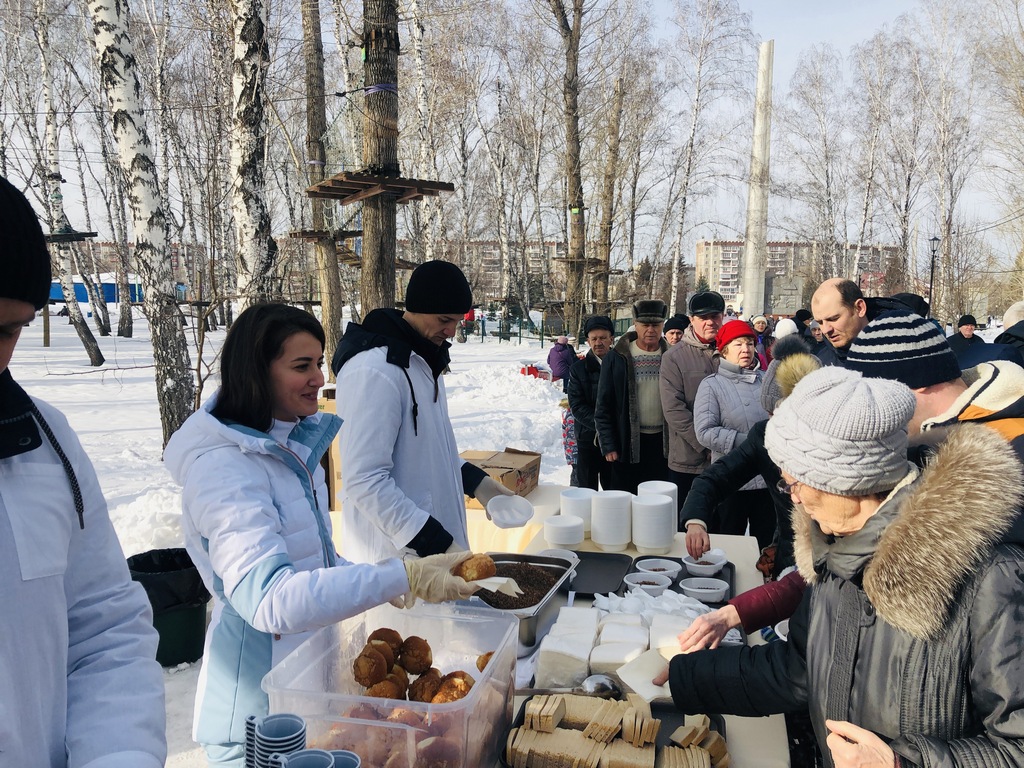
(842, 433)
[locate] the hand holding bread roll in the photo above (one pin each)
(431, 578)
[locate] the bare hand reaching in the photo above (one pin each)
(697, 540)
(855, 747)
(707, 630)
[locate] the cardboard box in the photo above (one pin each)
(332, 459)
(516, 470)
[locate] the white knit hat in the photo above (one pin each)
(842, 433)
(784, 327)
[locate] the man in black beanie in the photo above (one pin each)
(81, 681)
(404, 481)
(591, 467)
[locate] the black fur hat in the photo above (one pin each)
(651, 311)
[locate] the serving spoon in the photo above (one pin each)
(599, 686)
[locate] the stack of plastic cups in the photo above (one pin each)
(577, 501)
(278, 734)
(611, 519)
(250, 741)
(654, 524)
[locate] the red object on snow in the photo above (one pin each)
(533, 370)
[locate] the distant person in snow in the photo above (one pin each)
(965, 336)
(404, 478)
(81, 685)
(257, 523)
(561, 358)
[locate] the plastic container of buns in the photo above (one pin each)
(316, 681)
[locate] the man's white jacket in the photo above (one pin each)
(80, 683)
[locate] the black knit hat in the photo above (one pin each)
(966, 320)
(903, 346)
(677, 322)
(438, 287)
(802, 316)
(652, 311)
(706, 303)
(598, 322)
(24, 261)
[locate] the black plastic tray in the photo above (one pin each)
(671, 718)
(728, 573)
(598, 573)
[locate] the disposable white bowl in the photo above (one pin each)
(510, 511)
(663, 487)
(654, 524)
(576, 501)
(668, 568)
(714, 564)
(782, 629)
(565, 554)
(643, 581)
(705, 590)
(563, 531)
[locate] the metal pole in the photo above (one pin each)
(931, 281)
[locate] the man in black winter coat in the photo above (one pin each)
(581, 389)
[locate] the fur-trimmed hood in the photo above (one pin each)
(944, 529)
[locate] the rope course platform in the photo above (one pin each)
(351, 187)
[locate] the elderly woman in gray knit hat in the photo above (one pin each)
(905, 647)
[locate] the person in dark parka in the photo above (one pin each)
(905, 654)
(581, 390)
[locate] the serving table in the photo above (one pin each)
(754, 742)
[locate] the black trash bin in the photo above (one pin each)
(178, 597)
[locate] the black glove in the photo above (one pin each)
(432, 539)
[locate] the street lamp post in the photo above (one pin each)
(931, 280)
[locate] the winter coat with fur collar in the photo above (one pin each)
(912, 627)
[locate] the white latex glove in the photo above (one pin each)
(431, 578)
(488, 489)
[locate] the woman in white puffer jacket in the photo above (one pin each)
(257, 525)
(727, 405)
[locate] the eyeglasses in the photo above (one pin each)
(786, 488)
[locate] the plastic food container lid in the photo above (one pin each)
(509, 511)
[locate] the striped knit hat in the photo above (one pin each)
(903, 346)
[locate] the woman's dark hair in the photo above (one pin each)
(254, 341)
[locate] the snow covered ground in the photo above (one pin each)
(113, 409)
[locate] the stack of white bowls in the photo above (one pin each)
(576, 501)
(611, 520)
(654, 524)
(663, 487)
(563, 531)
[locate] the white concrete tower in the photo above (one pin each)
(755, 249)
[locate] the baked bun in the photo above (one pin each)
(385, 689)
(362, 712)
(424, 687)
(453, 687)
(436, 752)
(369, 668)
(406, 717)
(399, 672)
(384, 650)
(416, 655)
(483, 659)
(389, 636)
(476, 567)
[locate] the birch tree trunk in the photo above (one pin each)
(116, 58)
(255, 251)
(611, 178)
(55, 199)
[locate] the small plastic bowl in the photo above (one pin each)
(708, 565)
(668, 568)
(705, 590)
(782, 629)
(509, 511)
(564, 531)
(651, 583)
